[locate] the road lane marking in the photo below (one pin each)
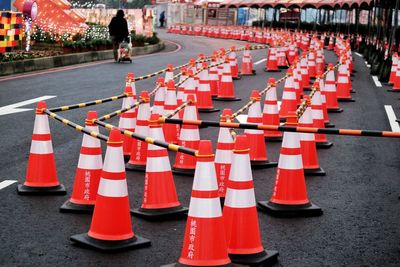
(6, 183)
(260, 61)
(392, 118)
(376, 81)
(358, 54)
(14, 108)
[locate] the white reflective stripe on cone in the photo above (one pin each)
(246, 60)
(252, 131)
(169, 76)
(241, 168)
(290, 162)
(240, 198)
(190, 113)
(270, 109)
(139, 129)
(226, 78)
(317, 114)
(342, 79)
(41, 147)
(290, 140)
(205, 177)
(126, 123)
(223, 156)
(112, 188)
(307, 137)
(114, 160)
(90, 162)
(213, 77)
(41, 125)
(330, 88)
(89, 141)
(289, 95)
(254, 110)
(189, 135)
(204, 87)
(158, 164)
(144, 112)
(205, 208)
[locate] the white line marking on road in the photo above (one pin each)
(376, 81)
(260, 61)
(392, 118)
(14, 108)
(358, 54)
(6, 183)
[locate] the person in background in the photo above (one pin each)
(118, 29)
(162, 19)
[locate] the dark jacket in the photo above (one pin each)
(118, 28)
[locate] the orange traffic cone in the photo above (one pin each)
(234, 64)
(87, 175)
(393, 70)
(331, 44)
(312, 66)
(307, 142)
(226, 88)
(281, 58)
(137, 161)
(111, 227)
(330, 91)
(189, 137)
(320, 94)
(214, 79)
(171, 131)
(41, 175)
(270, 114)
(190, 87)
(320, 64)
(160, 200)
(204, 102)
(247, 63)
(179, 95)
(297, 83)
(343, 86)
(289, 98)
(272, 64)
(127, 120)
(223, 154)
(169, 74)
(204, 243)
(396, 84)
(319, 121)
(305, 78)
(240, 212)
(159, 98)
(289, 197)
(258, 148)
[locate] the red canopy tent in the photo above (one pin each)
(290, 3)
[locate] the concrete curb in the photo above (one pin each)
(21, 66)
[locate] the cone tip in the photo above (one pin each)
(115, 137)
(171, 85)
(205, 149)
(160, 80)
(255, 94)
(170, 66)
(153, 121)
(91, 115)
(144, 94)
(241, 143)
(41, 105)
(191, 98)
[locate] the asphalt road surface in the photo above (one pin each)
(359, 195)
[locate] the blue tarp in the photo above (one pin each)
(5, 4)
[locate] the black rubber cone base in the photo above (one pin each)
(160, 214)
(346, 100)
(266, 70)
(335, 110)
(134, 167)
(324, 145)
(283, 67)
(393, 90)
(239, 77)
(278, 210)
(53, 190)
(69, 207)
(329, 125)
(86, 241)
(185, 172)
(252, 73)
(227, 99)
(262, 164)
(126, 158)
(208, 110)
(352, 91)
(273, 138)
(307, 89)
(222, 201)
(213, 97)
(314, 172)
(264, 258)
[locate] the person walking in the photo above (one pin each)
(162, 19)
(118, 29)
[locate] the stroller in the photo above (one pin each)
(125, 51)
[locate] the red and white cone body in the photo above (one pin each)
(330, 91)
(312, 67)
(181, 92)
(270, 114)
(171, 131)
(226, 88)
(234, 64)
(247, 64)
(393, 70)
(223, 154)
(127, 120)
(204, 102)
(319, 122)
(305, 78)
(214, 80)
(159, 99)
(289, 99)
(343, 84)
(138, 157)
(272, 61)
(204, 242)
(396, 84)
